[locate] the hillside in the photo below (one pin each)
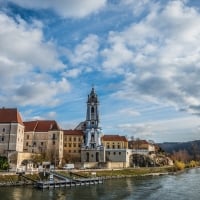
(192, 148)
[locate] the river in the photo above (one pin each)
(184, 186)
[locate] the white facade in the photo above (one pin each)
(11, 138)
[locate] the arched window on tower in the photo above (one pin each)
(92, 112)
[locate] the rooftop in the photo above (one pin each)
(41, 126)
(10, 115)
(73, 132)
(114, 138)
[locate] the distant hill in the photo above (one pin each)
(192, 148)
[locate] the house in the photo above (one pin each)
(114, 142)
(44, 137)
(72, 142)
(116, 151)
(141, 146)
(11, 134)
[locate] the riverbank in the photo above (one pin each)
(29, 179)
(128, 172)
(11, 179)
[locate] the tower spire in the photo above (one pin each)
(92, 131)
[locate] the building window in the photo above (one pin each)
(53, 142)
(74, 145)
(113, 146)
(42, 143)
(4, 130)
(108, 146)
(69, 151)
(114, 153)
(70, 139)
(54, 136)
(70, 145)
(27, 144)
(119, 153)
(108, 152)
(27, 137)
(74, 151)
(65, 145)
(79, 139)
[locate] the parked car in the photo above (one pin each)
(68, 166)
(21, 170)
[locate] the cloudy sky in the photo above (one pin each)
(142, 56)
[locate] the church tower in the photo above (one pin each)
(92, 149)
(92, 131)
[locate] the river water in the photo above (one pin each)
(184, 186)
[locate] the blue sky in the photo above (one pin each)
(142, 56)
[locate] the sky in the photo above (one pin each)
(141, 56)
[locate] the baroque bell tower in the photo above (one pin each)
(92, 150)
(92, 130)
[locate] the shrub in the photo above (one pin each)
(192, 163)
(179, 165)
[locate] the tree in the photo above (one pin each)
(181, 155)
(4, 163)
(37, 158)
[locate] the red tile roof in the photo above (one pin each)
(8, 115)
(41, 125)
(139, 142)
(114, 138)
(73, 132)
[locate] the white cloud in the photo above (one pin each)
(86, 51)
(115, 57)
(137, 7)
(51, 115)
(177, 129)
(40, 93)
(159, 56)
(25, 63)
(65, 8)
(26, 44)
(72, 73)
(128, 112)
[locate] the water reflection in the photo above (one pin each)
(184, 186)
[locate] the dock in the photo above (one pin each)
(62, 181)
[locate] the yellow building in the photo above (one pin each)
(114, 142)
(72, 142)
(44, 137)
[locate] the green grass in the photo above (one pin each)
(128, 172)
